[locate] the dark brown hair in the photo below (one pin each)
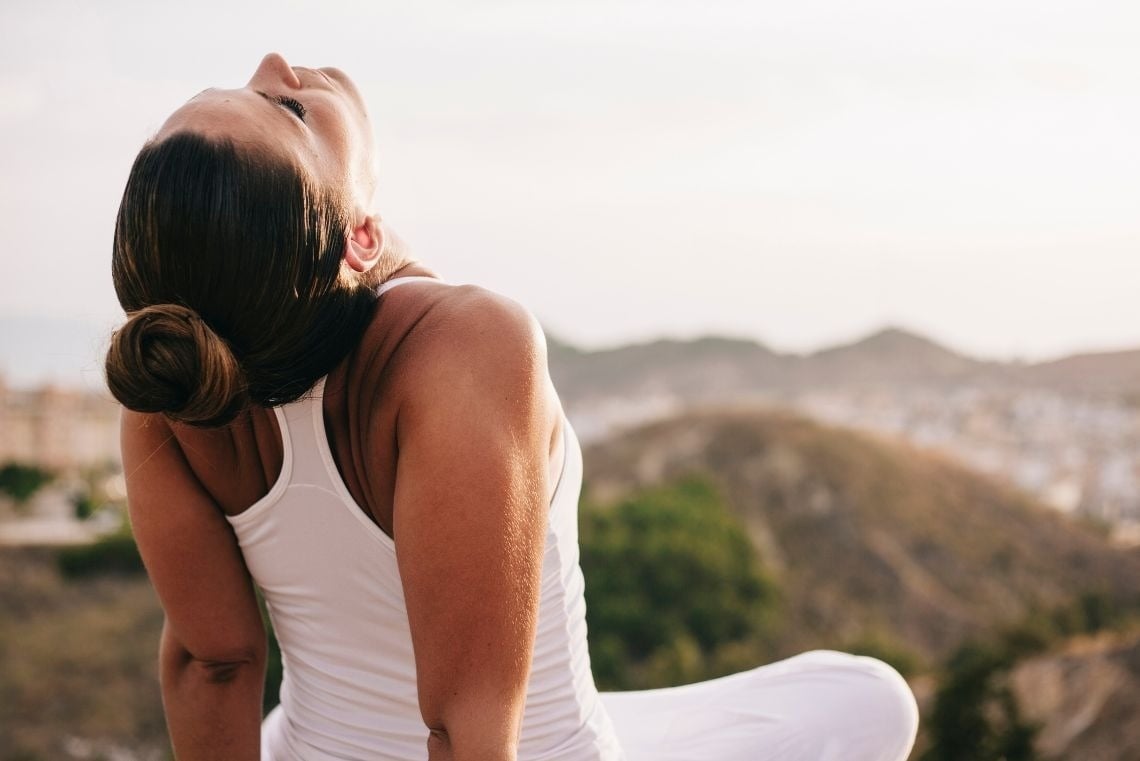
(228, 264)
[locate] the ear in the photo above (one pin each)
(365, 243)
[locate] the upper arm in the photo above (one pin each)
(189, 550)
(470, 512)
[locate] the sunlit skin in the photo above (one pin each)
(332, 142)
(316, 120)
(462, 482)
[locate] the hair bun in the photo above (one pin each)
(167, 359)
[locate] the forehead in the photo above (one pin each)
(243, 116)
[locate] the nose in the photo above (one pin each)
(275, 69)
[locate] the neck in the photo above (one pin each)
(396, 260)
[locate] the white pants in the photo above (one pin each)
(818, 706)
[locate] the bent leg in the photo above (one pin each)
(818, 706)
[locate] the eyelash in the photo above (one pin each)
(293, 105)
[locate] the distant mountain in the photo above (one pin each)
(1105, 373)
(869, 539)
(702, 367)
(892, 355)
(715, 368)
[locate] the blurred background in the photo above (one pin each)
(840, 297)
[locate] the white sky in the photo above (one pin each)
(797, 172)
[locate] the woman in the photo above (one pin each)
(314, 412)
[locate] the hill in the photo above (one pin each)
(699, 368)
(870, 540)
(890, 355)
(1104, 372)
(713, 367)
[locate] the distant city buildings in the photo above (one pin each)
(56, 428)
(75, 435)
(1078, 454)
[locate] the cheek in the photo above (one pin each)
(331, 136)
(359, 149)
(345, 145)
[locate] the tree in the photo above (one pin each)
(21, 481)
(671, 579)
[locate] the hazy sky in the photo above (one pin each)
(798, 172)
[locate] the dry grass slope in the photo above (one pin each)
(78, 664)
(869, 538)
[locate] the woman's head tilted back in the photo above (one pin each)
(244, 252)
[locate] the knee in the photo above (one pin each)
(879, 701)
(888, 704)
(895, 702)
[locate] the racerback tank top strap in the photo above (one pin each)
(390, 284)
(303, 427)
(302, 433)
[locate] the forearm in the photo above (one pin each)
(213, 708)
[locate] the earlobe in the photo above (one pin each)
(365, 244)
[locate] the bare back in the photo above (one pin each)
(238, 464)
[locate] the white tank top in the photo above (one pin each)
(334, 594)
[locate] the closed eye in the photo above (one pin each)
(292, 104)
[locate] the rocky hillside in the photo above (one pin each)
(869, 539)
(1085, 696)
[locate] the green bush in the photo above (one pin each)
(84, 505)
(671, 578)
(975, 715)
(21, 482)
(113, 554)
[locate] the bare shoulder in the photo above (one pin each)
(470, 334)
(470, 313)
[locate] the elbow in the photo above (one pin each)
(218, 670)
(226, 670)
(438, 744)
(215, 665)
(441, 747)
(492, 735)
